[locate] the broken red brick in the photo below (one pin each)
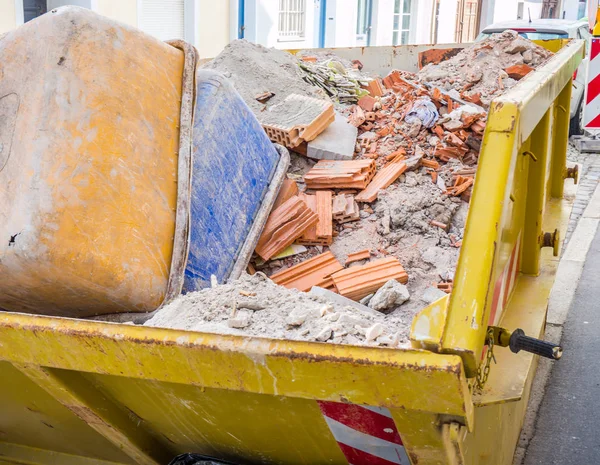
(430, 163)
(329, 174)
(370, 116)
(445, 286)
(357, 256)
(321, 233)
(285, 224)
(461, 184)
(264, 97)
(315, 271)
(357, 116)
(439, 225)
(385, 131)
(478, 127)
(398, 153)
(469, 118)
(435, 56)
(518, 71)
(356, 64)
(473, 98)
(384, 178)
(345, 208)
(375, 88)
(453, 139)
(289, 189)
(367, 103)
(359, 281)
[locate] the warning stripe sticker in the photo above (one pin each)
(591, 113)
(505, 284)
(365, 435)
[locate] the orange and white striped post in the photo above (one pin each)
(591, 112)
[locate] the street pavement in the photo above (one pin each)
(568, 425)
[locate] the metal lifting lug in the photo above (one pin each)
(573, 173)
(551, 239)
(517, 341)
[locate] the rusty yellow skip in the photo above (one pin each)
(77, 392)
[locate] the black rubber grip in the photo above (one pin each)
(518, 341)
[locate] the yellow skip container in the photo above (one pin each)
(89, 137)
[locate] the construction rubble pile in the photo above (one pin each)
(360, 238)
(485, 70)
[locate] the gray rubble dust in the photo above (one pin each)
(255, 306)
(255, 69)
(292, 112)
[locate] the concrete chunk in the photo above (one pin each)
(337, 142)
(391, 294)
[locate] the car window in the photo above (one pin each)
(544, 35)
(531, 35)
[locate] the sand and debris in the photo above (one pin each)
(254, 305)
(255, 69)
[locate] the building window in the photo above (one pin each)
(292, 19)
(402, 17)
(363, 22)
(164, 19)
(362, 17)
(467, 27)
(520, 9)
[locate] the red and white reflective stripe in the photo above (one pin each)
(505, 283)
(366, 435)
(591, 113)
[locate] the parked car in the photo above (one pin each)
(545, 29)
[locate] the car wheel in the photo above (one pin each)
(576, 123)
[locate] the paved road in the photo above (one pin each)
(568, 428)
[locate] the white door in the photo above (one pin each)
(164, 19)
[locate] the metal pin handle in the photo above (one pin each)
(519, 341)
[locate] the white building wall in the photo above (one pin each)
(382, 32)
(422, 22)
(447, 22)
(506, 10)
(330, 23)
(570, 9)
(495, 11)
(533, 7)
(341, 23)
